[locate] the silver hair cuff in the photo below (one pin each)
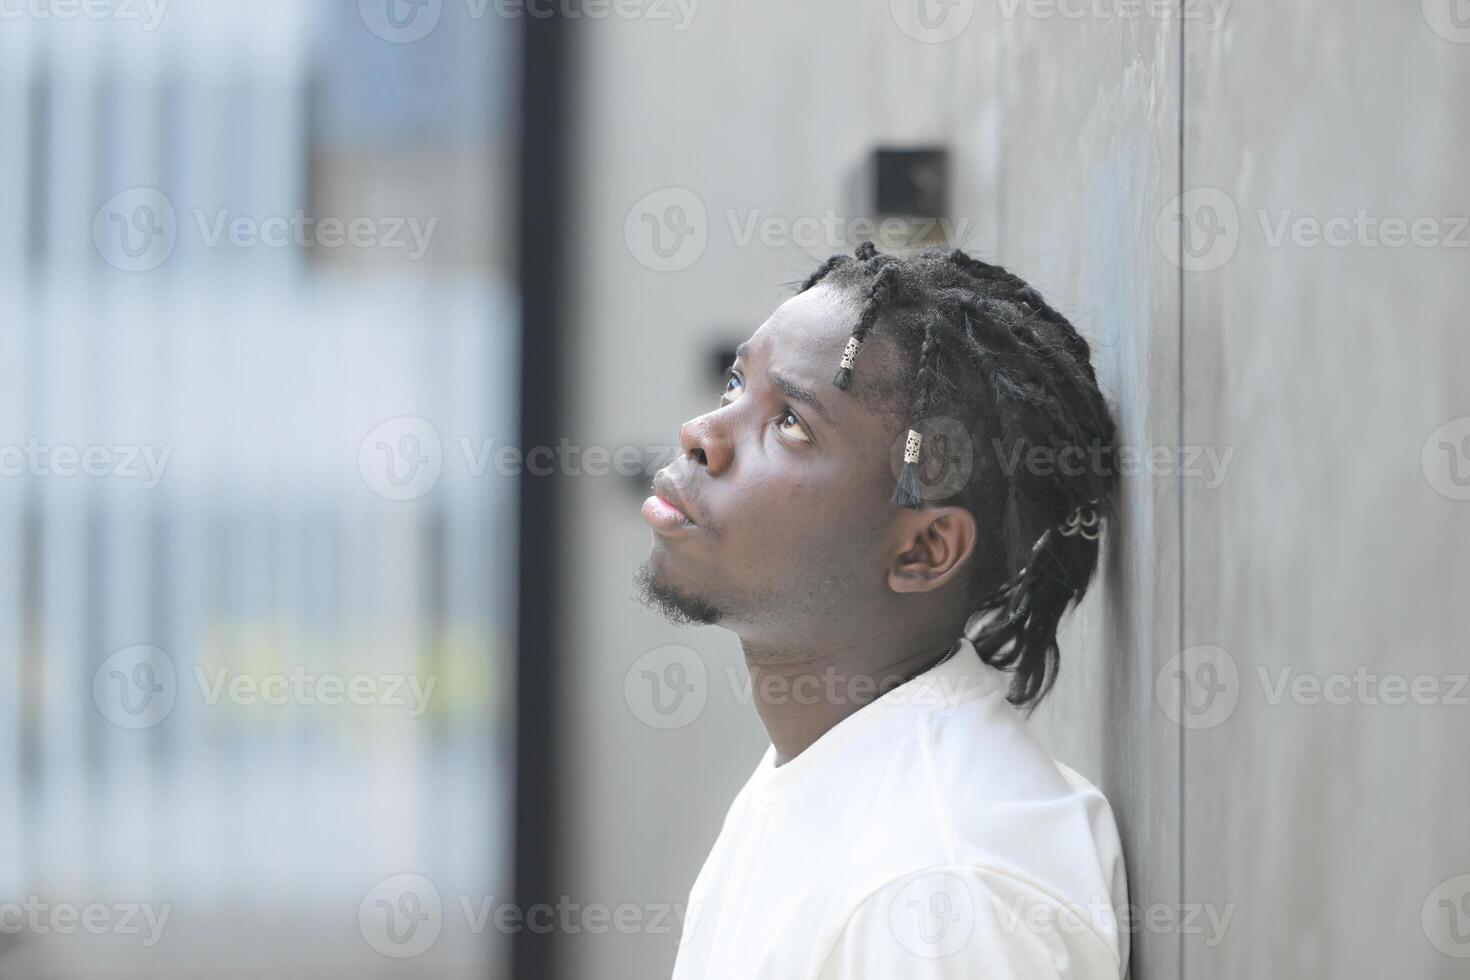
(911, 447)
(1085, 521)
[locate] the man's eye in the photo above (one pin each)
(790, 425)
(733, 385)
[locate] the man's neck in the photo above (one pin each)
(802, 694)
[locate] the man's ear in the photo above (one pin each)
(934, 544)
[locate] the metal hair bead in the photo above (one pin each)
(850, 352)
(1084, 521)
(911, 447)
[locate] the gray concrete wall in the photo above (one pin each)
(1332, 547)
(1319, 831)
(1089, 131)
(758, 111)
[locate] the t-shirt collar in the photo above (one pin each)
(940, 688)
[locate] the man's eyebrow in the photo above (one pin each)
(790, 389)
(797, 393)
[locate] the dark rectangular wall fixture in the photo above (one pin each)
(912, 181)
(538, 647)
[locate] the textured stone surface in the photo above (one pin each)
(1327, 549)
(1089, 136)
(763, 111)
(1273, 839)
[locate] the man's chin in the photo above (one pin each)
(676, 604)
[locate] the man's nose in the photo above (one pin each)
(705, 441)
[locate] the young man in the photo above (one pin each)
(894, 544)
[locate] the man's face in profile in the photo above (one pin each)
(779, 503)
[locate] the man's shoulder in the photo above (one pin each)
(969, 787)
(965, 766)
(981, 917)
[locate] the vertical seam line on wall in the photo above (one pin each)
(1179, 481)
(540, 278)
(997, 80)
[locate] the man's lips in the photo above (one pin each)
(666, 510)
(664, 516)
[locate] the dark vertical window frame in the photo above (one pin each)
(1180, 367)
(540, 193)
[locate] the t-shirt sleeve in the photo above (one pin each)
(970, 922)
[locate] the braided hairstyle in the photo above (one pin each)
(984, 349)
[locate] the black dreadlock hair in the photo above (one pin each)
(984, 348)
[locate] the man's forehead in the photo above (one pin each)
(813, 320)
(807, 334)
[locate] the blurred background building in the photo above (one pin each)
(173, 296)
(341, 340)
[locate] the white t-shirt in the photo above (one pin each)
(926, 835)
